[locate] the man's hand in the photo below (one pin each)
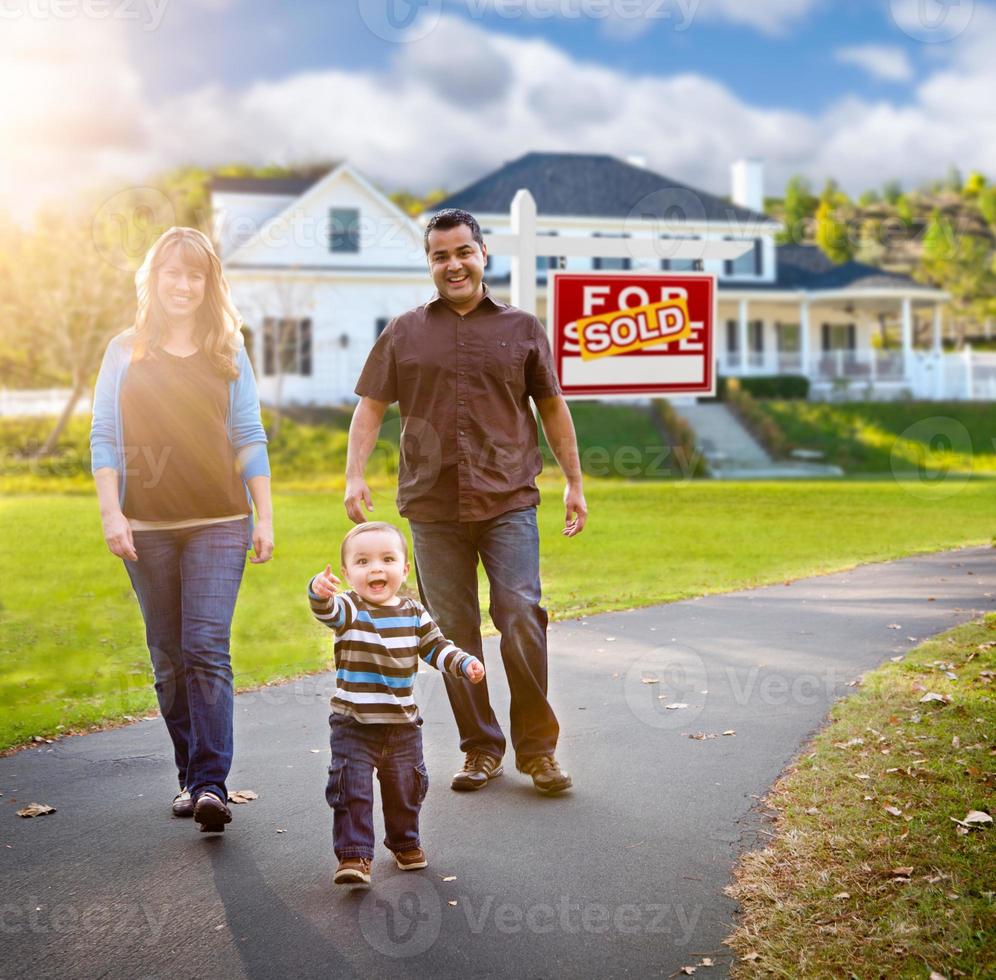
(357, 496)
(475, 671)
(576, 510)
(325, 585)
(262, 542)
(117, 534)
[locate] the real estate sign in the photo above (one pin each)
(632, 334)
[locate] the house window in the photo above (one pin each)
(602, 263)
(487, 262)
(286, 346)
(748, 264)
(755, 336)
(380, 325)
(788, 337)
(839, 336)
(544, 263)
(344, 230)
(681, 265)
(732, 336)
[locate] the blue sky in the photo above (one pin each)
(863, 92)
(236, 43)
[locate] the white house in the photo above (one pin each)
(319, 266)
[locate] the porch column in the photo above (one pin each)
(804, 337)
(938, 324)
(907, 336)
(742, 336)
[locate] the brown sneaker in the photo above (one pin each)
(353, 871)
(547, 775)
(411, 860)
(478, 768)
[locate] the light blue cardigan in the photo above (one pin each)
(245, 429)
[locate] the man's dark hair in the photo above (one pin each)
(451, 218)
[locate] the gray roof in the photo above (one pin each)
(288, 186)
(807, 267)
(593, 185)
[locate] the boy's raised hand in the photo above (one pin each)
(325, 584)
(475, 671)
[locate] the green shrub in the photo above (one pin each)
(785, 387)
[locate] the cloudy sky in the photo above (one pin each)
(429, 93)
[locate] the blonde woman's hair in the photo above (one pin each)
(219, 325)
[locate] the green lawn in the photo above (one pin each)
(886, 437)
(71, 635)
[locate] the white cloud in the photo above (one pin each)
(412, 124)
(773, 17)
(879, 60)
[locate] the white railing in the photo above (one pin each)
(39, 401)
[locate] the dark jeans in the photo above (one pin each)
(395, 751)
(187, 582)
(446, 555)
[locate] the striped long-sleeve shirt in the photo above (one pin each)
(377, 649)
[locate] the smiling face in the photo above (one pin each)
(180, 286)
(375, 566)
(456, 263)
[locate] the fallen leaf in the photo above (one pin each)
(751, 956)
(242, 796)
(903, 872)
(812, 811)
(687, 970)
(842, 895)
(706, 961)
(975, 819)
(894, 810)
(897, 659)
(934, 975)
(35, 810)
(955, 742)
(932, 696)
(861, 775)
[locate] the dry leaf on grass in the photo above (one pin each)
(974, 820)
(842, 895)
(933, 696)
(242, 796)
(750, 957)
(894, 810)
(35, 810)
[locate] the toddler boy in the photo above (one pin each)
(379, 639)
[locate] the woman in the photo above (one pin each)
(179, 457)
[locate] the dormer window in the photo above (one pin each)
(751, 263)
(344, 230)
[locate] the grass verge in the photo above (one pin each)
(868, 874)
(72, 651)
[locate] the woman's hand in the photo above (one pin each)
(117, 534)
(325, 584)
(262, 542)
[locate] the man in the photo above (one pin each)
(463, 368)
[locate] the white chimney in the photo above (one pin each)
(748, 184)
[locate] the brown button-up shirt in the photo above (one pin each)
(469, 448)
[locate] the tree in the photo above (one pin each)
(987, 205)
(962, 264)
(892, 190)
(974, 184)
(800, 205)
(868, 198)
(871, 247)
(831, 224)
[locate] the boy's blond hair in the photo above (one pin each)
(371, 526)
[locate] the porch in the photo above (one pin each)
(872, 345)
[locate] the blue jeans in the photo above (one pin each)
(187, 582)
(395, 751)
(446, 556)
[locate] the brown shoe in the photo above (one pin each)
(411, 860)
(353, 871)
(478, 768)
(547, 775)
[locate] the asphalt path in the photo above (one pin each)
(623, 876)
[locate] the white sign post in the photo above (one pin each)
(522, 244)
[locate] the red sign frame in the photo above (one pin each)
(687, 367)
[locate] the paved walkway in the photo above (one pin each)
(622, 877)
